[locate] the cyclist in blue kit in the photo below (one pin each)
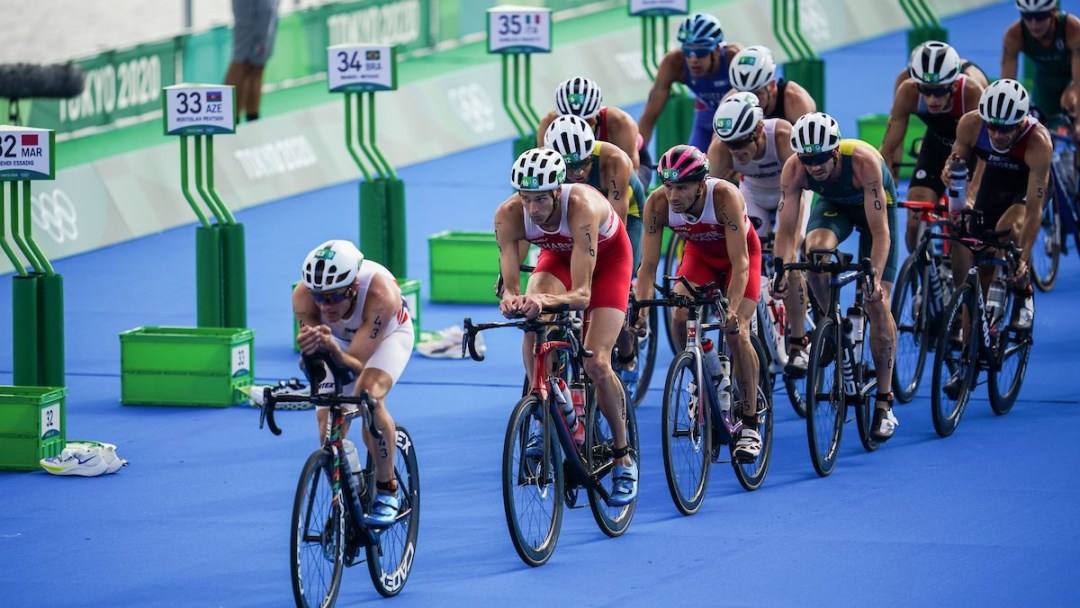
(702, 64)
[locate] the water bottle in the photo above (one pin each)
(957, 189)
(577, 396)
(352, 458)
(848, 365)
(723, 386)
(712, 359)
(995, 301)
(565, 398)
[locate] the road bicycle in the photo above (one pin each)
(839, 374)
(328, 514)
(977, 334)
(1060, 217)
(536, 480)
(923, 287)
(698, 413)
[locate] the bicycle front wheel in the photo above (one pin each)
(752, 474)
(532, 483)
(909, 310)
(390, 561)
(599, 445)
(672, 259)
(826, 407)
(1011, 349)
(637, 380)
(955, 361)
(317, 546)
(685, 437)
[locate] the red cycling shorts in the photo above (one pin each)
(611, 277)
(700, 267)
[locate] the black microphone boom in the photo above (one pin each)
(30, 81)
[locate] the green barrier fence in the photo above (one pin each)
(925, 24)
(677, 118)
(803, 65)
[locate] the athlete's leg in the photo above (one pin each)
(604, 327)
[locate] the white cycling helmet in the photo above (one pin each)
(1036, 6)
(815, 132)
(332, 265)
(538, 170)
(752, 68)
(1005, 102)
(737, 117)
(571, 137)
(934, 63)
(700, 29)
(578, 96)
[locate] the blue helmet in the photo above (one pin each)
(701, 29)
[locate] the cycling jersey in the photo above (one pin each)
(778, 109)
(1005, 176)
(843, 189)
(1053, 66)
(708, 92)
(937, 145)
(942, 125)
(637, 191)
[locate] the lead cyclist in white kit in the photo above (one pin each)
(755, 147)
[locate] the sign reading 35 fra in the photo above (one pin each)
(199, 109)
(26, 153)
(355, 68)
(519, 29)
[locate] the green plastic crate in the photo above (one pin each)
(191, 366)
(32, 425)
(465, 265)
(410, 290)
(872, 131)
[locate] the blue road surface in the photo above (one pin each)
(201, 516)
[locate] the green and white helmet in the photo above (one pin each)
(570, 136)
(934, 63)
(737, 117)
(332, 265)
(752, 68)
(538, 170)
(815, 132)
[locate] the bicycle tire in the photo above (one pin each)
(796, 386)
(646, 360)
(1010, 346)
(532, 491)
(950, 361)
(613, 521)
(826, 409)
(864, 409)
(390, 561)
(316, 579)
(672, 259)
(752, 475)
(912, 327)
(685, 436)
(1046, 251)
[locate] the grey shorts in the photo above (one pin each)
(254, 29)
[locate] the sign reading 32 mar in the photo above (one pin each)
(27, 153)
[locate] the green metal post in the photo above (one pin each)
(350, 142)
(33, 250)
(234, 275)
(532, 113)
(225, 212)
(648, 45)
(15, 236)
(209, 281)
(25, 336)
(395, 216)
(781, 31)
(8, 251)
(200, 184)
(522, 132)
(381, 166)
(51, 369)
(184, 187)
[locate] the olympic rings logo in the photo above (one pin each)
(473, 106)
(54, 213)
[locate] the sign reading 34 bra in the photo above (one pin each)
(356, 68)
(199, 109)
(658, 8)
(27, 153)
(519, 29)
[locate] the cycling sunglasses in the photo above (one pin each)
(931, 91)
(739, 144)
(1001, 128)
(698, 52)
(1039, 16)
(813, 160)
(579, 166)
(332, 297)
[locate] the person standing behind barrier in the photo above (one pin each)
(1050, 38)
(254, 29)
(702, 63)
(937, 92)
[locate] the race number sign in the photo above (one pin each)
(519, 29)
(357, 68)
(658, 8)
(199, 109)
(27, 153)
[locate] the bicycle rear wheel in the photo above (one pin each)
(318, 534)
(390, 561)
(1011, 349)
(637, 381)
(752, 475)
(864, 411)
(909, 309)
(796, 386)
(685, 436)
(1046, 251)
(672, 259)
(955, 361)
(825, 405)
(532, 486)
(599, 444)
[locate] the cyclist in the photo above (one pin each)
(1009, 181)
(582, 97)
(752, 71)
(702, 63)
(756, 148)
(857, 192)
(584, 263)
(720, 244)
(938, 93)
(1050, 38)
(968, 68)
(352, 310)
